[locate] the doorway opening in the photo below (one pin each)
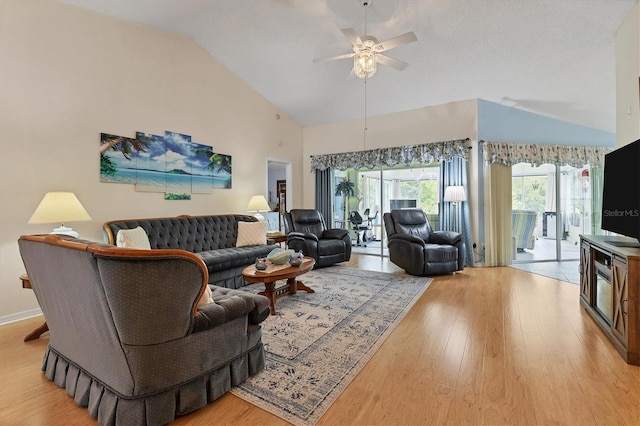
(278, 193)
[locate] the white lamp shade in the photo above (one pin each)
(454, 194)
(59, 207)
(258, 204)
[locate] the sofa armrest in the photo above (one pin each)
(301, 236)
(230, 304)
(335, 233)
(445, 237)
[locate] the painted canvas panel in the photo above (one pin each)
(151, 171)
(221, 166)
(177, 166)
(171, 164)
(201, 174)
(118, 158)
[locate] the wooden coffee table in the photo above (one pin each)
(275, 273)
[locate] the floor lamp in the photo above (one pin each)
(454, 195)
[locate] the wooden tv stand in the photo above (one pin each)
(610, 290)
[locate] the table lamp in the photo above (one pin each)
(60, 207)
(454, 195)
(258, 204)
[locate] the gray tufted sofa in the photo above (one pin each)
(125, 343)
(212, 238)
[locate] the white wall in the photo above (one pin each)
(67, 74)
(628, 79)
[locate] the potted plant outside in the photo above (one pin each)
(346, 190)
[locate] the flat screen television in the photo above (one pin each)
(402, 204)
(621, 193)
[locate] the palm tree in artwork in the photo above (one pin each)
(217, 162)
(119, 144)
(124, 145)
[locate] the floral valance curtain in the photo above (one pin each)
(403, 155)
(537, 154)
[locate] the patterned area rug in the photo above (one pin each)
(318, 342)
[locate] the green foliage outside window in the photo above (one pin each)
(424, 191)
(529, 193)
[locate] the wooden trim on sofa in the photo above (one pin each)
(106, 250)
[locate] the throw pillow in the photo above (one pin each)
(133, 238)
(206, 297)
(251, 233)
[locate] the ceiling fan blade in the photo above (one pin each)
(400, 40)
(332, 58)
(351, 35)
(391, 62)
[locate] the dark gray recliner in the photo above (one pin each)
(127, 337)
(419, 250)
(306, 231)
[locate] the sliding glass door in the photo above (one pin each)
(549, 213)
(375, 192)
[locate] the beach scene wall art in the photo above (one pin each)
(171, 164)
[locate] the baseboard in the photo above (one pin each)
(8, 319)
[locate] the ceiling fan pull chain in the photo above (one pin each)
(364, 143)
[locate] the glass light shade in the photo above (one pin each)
(364, 63)
(60, 207)
(454, 194)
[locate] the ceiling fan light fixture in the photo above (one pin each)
(364, 63)
(367, 51)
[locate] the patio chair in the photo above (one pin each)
(523, 223)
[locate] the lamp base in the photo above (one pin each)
(66, 231)
(259, 216)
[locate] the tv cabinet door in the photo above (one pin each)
(585, 273)
(620, 285)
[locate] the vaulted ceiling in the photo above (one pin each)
(551, 57)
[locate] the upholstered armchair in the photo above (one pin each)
(306, 231)
(523, 223)
(419, 250)
(131, 336)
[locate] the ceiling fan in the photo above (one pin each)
(367, 50)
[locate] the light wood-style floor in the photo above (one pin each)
(484, 346)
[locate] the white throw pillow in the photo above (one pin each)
(206, 298)
(251, 233)
(133, 238)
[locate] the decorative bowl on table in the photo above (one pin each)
(261, 263)
(278, 256)
(296, 258)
